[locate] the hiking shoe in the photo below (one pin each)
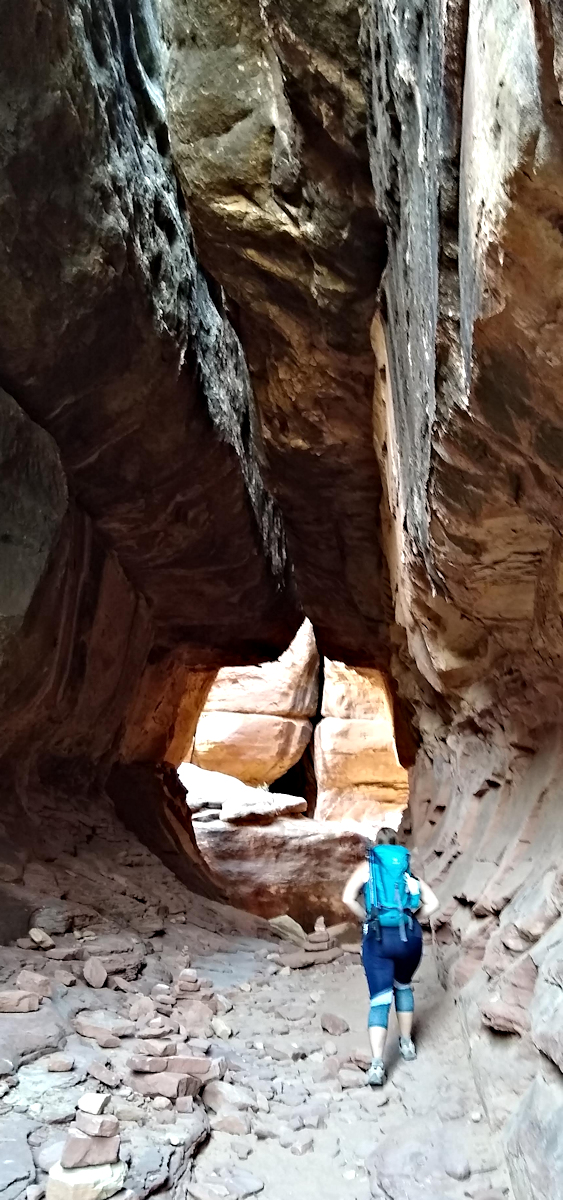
(407, 1049)
(377, 1074)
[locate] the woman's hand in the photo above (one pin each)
(430, 903)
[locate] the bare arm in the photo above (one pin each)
(353, 889)
(430, 903)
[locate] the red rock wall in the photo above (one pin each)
(466, 144)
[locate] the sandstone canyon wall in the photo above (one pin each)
(280, 337)
(466, 144)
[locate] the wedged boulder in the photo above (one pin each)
(358, 773)
(355, 692)
(287, 687)
(298, 867)
(256, 748)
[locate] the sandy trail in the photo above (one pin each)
(423, 1137)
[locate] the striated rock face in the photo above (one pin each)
(466, 152)
(112, 349)
(133, 517)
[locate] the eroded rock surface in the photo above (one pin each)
(271, 154)
(465, 138)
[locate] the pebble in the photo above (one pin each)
(95, 973)
(35, 1191)
(331, 1023)
(242, 1149)
(41, 939)
(93, 1102)
(234, 1123)
(221, 1028)
(98, 1070)
(457, 1166)
(64, 978)
(60, 1062)
(303, 1142)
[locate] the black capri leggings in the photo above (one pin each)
(389, 964)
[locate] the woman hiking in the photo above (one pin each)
(385, 896)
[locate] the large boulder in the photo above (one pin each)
(255, 748)
(287, 687)
(356, 765)
(255, 722)
(295, 866)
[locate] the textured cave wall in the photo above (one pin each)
(466, 152)
(268, 133)
(139, 549)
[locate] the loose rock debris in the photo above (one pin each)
(189, 1058)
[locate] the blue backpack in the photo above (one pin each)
(389, 902)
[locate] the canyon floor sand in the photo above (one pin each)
(422, 1137)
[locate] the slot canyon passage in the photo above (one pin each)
(281, 497)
